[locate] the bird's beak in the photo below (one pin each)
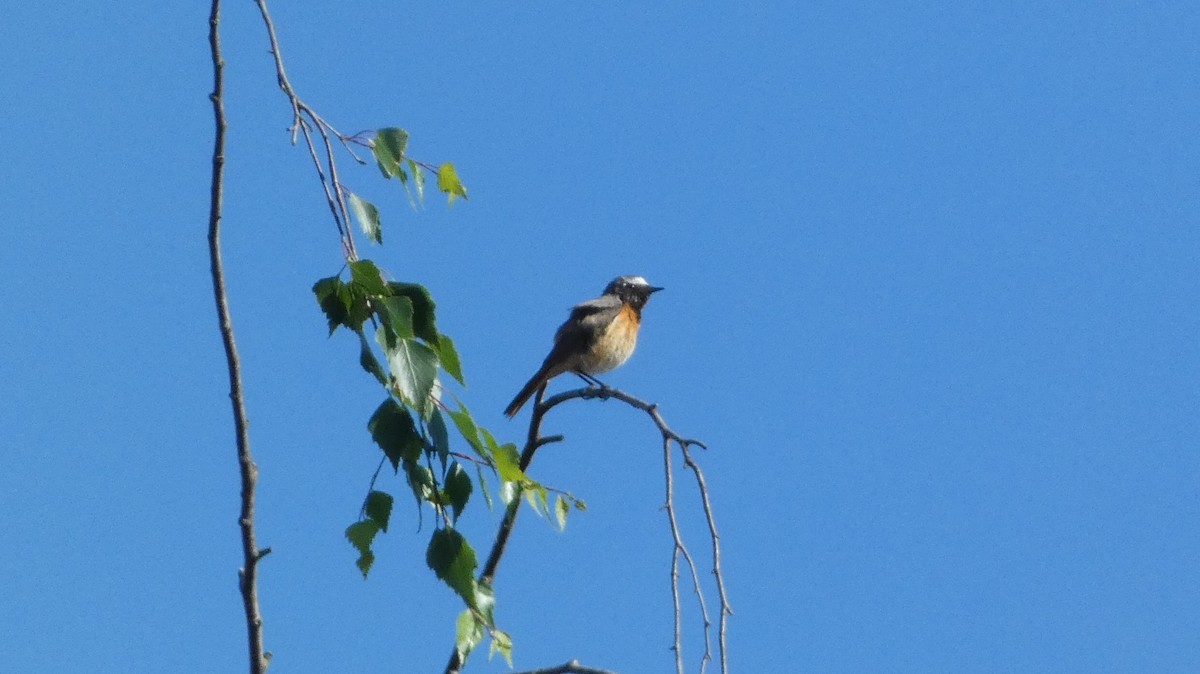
(653, 289)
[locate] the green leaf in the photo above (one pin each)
(449, 183)
(393, 430)
(561, 508)
(453, 561)
(354, 297)
(396, 313)
(412, 198)
(485, 603)
(507, 463)
(458, 488)
(330, 297)
(367, 216)
(420, 480)
(414, 369)
(368, 278)
(379, 508)
(483, 486)
(424, 309)
(361, 534)
(468, 429)
(537, 497)
(449, 357)
(580, 505)
(441, 437)
(418, 180)
(389, 147)
(489, 441)
(468, 632)
(368, 361)
(502, 642)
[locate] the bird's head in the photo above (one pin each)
(633, 290)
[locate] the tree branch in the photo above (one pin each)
(726, 609)
(534, 440)
(685, 444)
(248, 575)
(304, 120)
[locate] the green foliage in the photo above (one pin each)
(368, 217)
(468, 429)
(453, 561)
(367, 279)
(379, 508)
(501, 643)
(396, 316)
(469, 631)
(458, 488)
(420, 480)
(449, 183)
(368, 361)
(389, 147)
(414, 371)
(361, 534)
(449, 357)
(408, 356)
(507, 462)
(393, 430)
(418, 179)
(561, 509)
(424, 310)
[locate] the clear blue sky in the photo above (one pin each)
(931, 300)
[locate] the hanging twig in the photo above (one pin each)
(304, 121)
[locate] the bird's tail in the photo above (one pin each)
(537, 381)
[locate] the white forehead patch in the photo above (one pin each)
(635, 280)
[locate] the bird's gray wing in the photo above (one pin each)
(586, 322)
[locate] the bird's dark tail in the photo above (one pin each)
(537, 381)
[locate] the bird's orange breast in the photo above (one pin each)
(615, 345)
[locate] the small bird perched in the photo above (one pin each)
(599, 336)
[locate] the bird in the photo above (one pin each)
(599, 336)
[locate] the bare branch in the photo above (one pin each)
(677, 645)
(726, 609)
(304, 119)
(669, 436)
(535, 440)
(248, 575)
(606, 392)
(681, 549)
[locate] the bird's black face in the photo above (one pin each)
(633, 290)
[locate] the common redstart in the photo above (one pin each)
(599, 336)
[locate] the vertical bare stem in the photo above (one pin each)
(248, 576)
(670, 507)
(726, 609)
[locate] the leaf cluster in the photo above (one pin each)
(389, 146)
(401, 347)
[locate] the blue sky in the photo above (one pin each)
(931, 301)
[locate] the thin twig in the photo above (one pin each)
(670, 508)
(681, 549)
(251, 555)
(300, 110)
(534, 440)
(726, 609)
(669, 435)
(604, 393)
